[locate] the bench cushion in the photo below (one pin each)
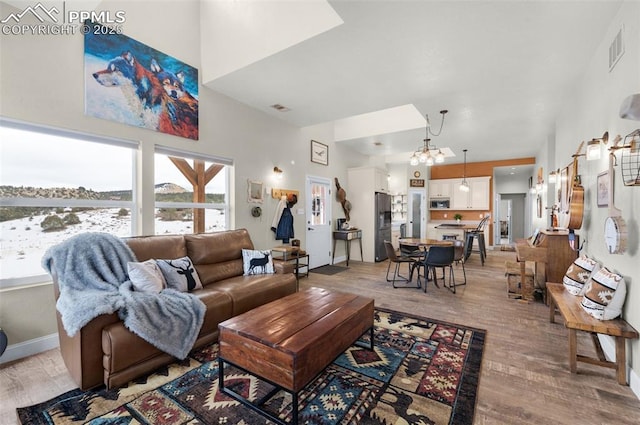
(604, 295)
(578, 274)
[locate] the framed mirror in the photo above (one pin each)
(255, 192)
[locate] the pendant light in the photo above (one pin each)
(464, 186)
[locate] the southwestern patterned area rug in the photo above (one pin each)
(423, 371)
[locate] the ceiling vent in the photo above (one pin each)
(280, 108)
(616, 49)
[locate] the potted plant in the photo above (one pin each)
(458, 217)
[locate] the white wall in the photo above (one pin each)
(591, 110)
(42, 81)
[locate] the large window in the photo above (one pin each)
(55, 184)
(191, 192)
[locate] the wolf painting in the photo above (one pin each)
(129, 82)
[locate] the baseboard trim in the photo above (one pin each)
(29, 348)
(340, 259)
(609, 348)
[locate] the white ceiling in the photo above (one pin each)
(501, 68)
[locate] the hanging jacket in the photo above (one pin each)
(284, 230)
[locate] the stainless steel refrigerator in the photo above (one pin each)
(383, 224)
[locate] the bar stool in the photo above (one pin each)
(478, 233)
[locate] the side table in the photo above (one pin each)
(286, 253)
(347, 236)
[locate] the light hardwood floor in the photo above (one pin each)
(525, 377)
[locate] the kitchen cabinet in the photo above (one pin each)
(477, 198)
(381, 181)
(440, 188)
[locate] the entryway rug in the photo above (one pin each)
(423, 371)
(329, 269)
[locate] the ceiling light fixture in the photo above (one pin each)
(424, 155)
(464, 186)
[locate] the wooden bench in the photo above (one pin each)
(515, 287)
(576, 319)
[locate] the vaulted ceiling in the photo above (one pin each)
(501, 68)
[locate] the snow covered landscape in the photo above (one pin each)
(23, 242)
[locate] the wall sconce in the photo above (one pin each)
(552, 177)
(593, 147)
(593, 150)
(277, 173)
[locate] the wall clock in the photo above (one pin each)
(416, 174)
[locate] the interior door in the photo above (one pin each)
(417, 214)
(318, 234)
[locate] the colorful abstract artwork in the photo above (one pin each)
(131, 83)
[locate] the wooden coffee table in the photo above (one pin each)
(288, 342)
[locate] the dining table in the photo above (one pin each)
(424, 244)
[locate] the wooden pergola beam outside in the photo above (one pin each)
(198, 177)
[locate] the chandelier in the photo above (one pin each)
(429, 154)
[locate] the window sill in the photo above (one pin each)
(25, 282)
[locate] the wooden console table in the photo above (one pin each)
(347, 236)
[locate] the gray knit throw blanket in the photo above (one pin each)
(93, 280)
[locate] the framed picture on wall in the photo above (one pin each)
(319, 153)
(255, 192)
(602, 187)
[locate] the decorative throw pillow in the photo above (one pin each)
(578, 274)
(257, 262)
(180, 274)
(604, 295)
(146, 276)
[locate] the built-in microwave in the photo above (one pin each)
(439, 203)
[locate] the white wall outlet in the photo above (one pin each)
(300, 211)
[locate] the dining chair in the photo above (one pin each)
(398, 260)
(411, 251)
(458, 258)
(438, 257)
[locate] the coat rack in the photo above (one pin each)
(279, 193)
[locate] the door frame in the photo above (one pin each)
(309, 179)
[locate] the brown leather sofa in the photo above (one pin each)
(105, 352)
